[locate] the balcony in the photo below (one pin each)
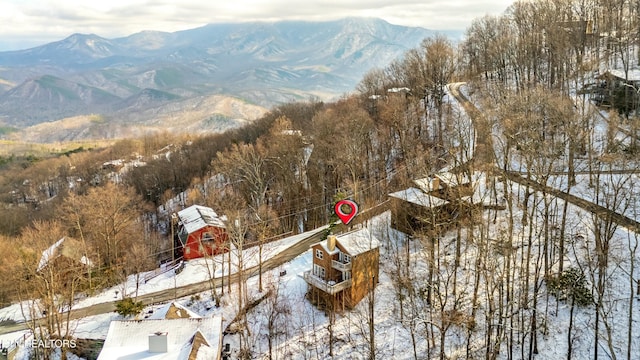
(327, 287)
(340, 265)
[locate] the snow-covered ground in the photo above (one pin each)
(96, 327)
(301, 330)
(197, 270)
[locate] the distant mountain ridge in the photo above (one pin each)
(260, 63)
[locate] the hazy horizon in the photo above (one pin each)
(31, 23)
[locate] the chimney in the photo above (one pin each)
(331, 242)
(158, 342)
(436, 183)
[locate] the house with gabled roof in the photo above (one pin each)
(436, 203)
(446, 185)
(345, 269)
(172, 310)
(201, 232)
(66, 249)
(412, 209)
(617, 88)
(164, 339)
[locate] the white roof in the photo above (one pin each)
(632, 75)
(358, 242)
(292, 132)
(173, 310)
(196, 217)
(354, 243)
(426, 184)
(326, 248)
(129, 339)
(397, 90)
(445, 177)
(418, 197)
(49, 254)
(207, 353)
(54, 251)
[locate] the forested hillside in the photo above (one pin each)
(206, 79)
(551, 272)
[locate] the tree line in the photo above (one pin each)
(497, 280)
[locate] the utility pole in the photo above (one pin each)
(173, 256)
(372, 328)
(222, 273)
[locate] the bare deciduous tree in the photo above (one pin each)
(52, 274)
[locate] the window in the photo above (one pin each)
(319, 254)
(319, 271)
(346, 258)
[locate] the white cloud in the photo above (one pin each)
(32, 22)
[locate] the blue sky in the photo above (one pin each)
(28, 23)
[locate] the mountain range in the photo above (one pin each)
(203, 79)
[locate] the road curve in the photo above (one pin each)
(186, 290)
(484, 153)
(484, 156)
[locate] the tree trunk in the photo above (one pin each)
(569, 339)
(631, 284)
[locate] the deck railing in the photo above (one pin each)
(341, 265)
(329, 287)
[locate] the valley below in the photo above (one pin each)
(202, 80)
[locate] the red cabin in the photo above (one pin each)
(201, 232)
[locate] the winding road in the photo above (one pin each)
(168, 295)
(484, 157)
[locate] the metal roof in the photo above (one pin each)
(196, 217)
(448, 178)
(358, 242)
(632, 74)
(173, 310)
(129, 338)
(418, 197)
(64, 247)
(354, 243)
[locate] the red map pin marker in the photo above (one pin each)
(346, 217)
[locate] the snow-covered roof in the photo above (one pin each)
(326, 248)
(196, 217)
(118, 162)
(292, 132)
(173, 311)
(450, 179)
(427, 184)
(354, 243)
(397, 90)
(187, 339)
(632, 74)
(63, 247)
(418, 197)
(49, 254)
(357, 242)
